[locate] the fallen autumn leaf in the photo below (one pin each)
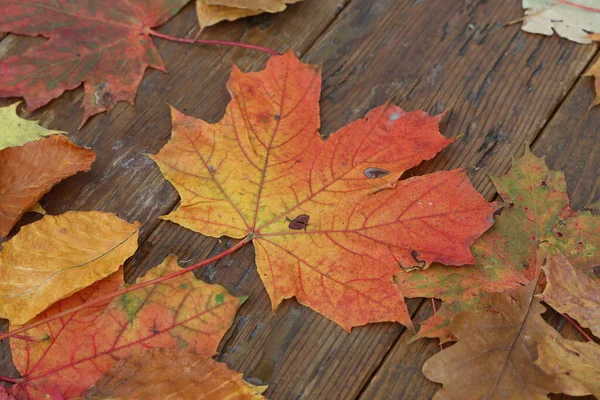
(50, 259)
(181, 313)
(160, 374)
(330, 221)
(31, 170)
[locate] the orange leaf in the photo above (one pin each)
(171, 373)
(570, 291)
(180, 313)
(57, 256)
(31, 170)
(330, 221)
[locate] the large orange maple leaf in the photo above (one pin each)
(330, 221)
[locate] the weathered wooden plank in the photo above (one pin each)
(501, 85)
(123, 179)
(569, 142)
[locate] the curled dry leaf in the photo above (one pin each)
(180, 313)
(570, 19)
(31, 170)
(56, 256)
(572, 292)
(330, 222)
(576, 363)
(536, 222)
(495, 353)
(16, 131)
(211, 12)
(211, 15)
(172, 373)
(105, 44)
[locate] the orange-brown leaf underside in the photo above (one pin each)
(330, 221)
(180, 313)
(160, 374)
(31, 170)
(104, 44)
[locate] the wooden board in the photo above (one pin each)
(499, 86)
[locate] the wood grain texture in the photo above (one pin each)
(499, 86)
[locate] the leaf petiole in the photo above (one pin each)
(110, 296)
(10, 380)
(214, 42)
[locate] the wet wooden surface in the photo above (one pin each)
(501, 88)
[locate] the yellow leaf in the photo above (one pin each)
(16, 131)
(57, 256)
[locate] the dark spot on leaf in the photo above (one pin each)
(559, 234)
(155, 331)
(374, 172)
(298, 223)
(211, 169)
(277, 117)
(597, 271)
(420, 263)
(511, 205)
(544, 184)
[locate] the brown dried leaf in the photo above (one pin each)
(171, 373)
(572, 292)
(495, 352)
(575, 363)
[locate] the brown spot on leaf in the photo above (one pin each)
(374, 172)
(298, 223)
